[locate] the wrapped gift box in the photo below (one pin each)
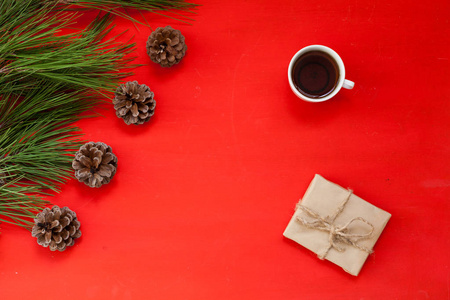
(336, 224)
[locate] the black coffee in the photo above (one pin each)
(315, 74)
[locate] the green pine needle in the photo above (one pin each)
(178, 8)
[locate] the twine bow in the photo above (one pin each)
(336, 234)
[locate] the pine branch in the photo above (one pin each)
(36, 142)
(32, 50)
(19, 203)
(47, 79)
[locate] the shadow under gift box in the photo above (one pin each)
(336, 224)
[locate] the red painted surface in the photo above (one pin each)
(204, 191)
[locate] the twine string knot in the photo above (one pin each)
(338, 236)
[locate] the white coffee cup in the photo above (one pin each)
(340, 83)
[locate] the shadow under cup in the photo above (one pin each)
(315, 74)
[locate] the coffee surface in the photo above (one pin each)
(315, 74)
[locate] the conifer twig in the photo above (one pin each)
(47, 79)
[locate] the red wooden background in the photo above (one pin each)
(204, 191)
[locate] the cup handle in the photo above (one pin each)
(348, 84)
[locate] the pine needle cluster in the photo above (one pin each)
(47, 79)
(178, 8)
(31, 49)
(35, 144)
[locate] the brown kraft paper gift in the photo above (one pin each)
(336, 224)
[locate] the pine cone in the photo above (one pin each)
(166, 46)
(95, 164)
(56, 228)
(134, 103)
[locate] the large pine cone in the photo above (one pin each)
(56, 228)
(134, 103)
(166, 46)
(95, 164)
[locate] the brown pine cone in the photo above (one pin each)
(95, 164)
(56, 228)
(134, 103)
(166, 46)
